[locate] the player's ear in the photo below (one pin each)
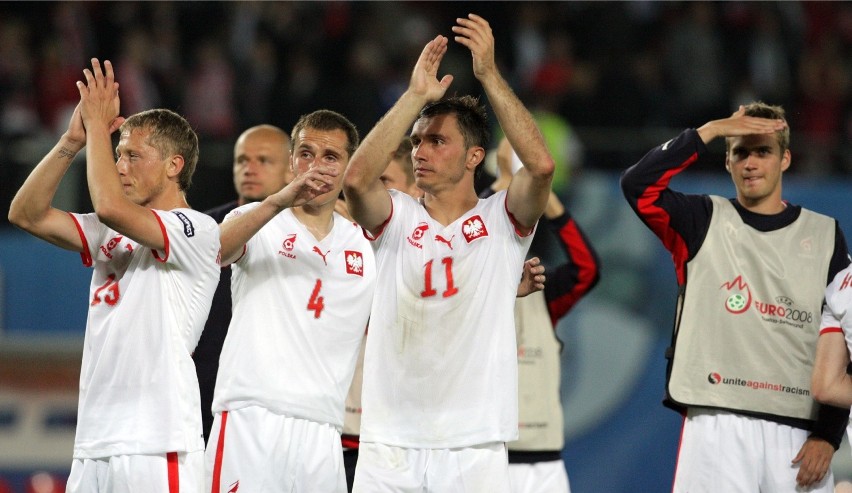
(475, 155)
(786, 159)
(175, 166)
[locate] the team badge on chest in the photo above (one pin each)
(474, 228)
(354, 262)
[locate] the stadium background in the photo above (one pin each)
(608, 81)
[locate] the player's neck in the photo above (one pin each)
(317, 220)
(168, 201)
(447, 207)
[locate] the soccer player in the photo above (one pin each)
(261, 168)
(751, 271)
(302, 282)
(155, 270)
(440, 367)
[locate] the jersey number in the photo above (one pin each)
(107, 292)
(428, 290)
(316, 302)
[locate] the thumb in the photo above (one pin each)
(798, 458)
(446, 81)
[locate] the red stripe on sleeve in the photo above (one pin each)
(587, 271)
(85, 255)
(829, 330)
(165, 239)
(659, 220)
(381, 229)
(519, 228)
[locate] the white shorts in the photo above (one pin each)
(173, 473)
(539, 477)
(253, 449)
(383, 468)
(721, 451)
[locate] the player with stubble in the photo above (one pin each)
(440, 369)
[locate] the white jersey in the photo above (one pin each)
(440, 367)
(300, 308)
(836, 314)
(138, 388)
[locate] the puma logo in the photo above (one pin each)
(444, 240)
(319, 252)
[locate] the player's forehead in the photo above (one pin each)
(322, 141)
(752, 142)
(136, 138)
(440, 125)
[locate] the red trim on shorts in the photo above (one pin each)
(679, 444)
(220, 452)
(829, 330)
(165, 239)
(174, 476)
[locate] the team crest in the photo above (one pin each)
(354, 262)
(473, 228)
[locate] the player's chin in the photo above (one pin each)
(324, 198)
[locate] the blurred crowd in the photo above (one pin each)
(611, 69)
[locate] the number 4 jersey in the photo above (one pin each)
(300, 309)
(440, 367)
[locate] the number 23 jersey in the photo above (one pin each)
(440, 367)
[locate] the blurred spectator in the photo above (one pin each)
(18, 110)
(55, 84)
(693, 63)
(209, 97)
(134, 72)
(627, 66)
(824, 78)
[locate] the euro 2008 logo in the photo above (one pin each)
(739, 295)
(735, 303)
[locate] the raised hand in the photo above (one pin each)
(739, 124)
(76, 132)
(475, 33)
(424, 78)
(99, 101)
(307, 186)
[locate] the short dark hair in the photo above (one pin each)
(327, 120)
(471, 117)
(760, 109)
(170, 134)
